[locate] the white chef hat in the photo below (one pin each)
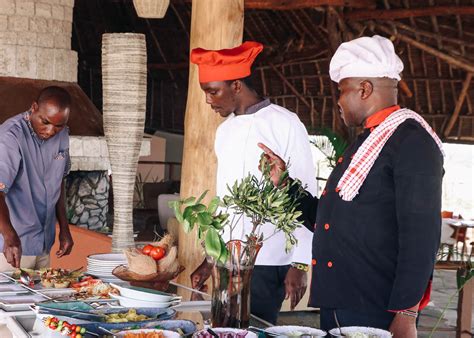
(365, 57)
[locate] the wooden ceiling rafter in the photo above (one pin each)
(157, 44)
(456, 62)
(459, 24)
(457, 109)
(180, 20)
(314, 27)
(426, 34)
(448, 123)
(307, 33)
(293, 38)
(288, 26)
(423, 60)
(392, 14)
(268, 32)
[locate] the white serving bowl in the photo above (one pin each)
(130, 302)
(295, 331)
(148, 295)
(369, 332)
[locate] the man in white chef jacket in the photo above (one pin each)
(250, 119)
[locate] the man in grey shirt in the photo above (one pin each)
(34, 148)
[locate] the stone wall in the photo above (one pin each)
(35, 39)
(87, 198)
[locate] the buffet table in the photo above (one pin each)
(23, 324)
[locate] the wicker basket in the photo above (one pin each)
(151, 9)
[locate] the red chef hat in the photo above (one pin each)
(225, 64)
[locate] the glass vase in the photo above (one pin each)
(231, 283)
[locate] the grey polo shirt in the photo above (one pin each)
(31, 172)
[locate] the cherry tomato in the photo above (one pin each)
(157, 253)
(73, 335)
(147, 249)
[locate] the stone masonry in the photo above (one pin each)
(35, 40)
(87, 198)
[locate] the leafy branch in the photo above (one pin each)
(257, 199)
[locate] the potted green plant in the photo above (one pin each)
(331, 144)
(260, 201)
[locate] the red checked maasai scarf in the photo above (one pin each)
(369, 151)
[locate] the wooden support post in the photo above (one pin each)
(464, 320)
(210, 31)
(459, 103)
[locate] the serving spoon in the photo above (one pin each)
(25, 277)
(338, 325)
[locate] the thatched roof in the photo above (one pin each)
(435, 39)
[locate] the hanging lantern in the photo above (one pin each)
(151, 9)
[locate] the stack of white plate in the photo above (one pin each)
(101, 265)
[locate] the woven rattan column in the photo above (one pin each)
(124, 80)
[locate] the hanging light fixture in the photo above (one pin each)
(151, 9)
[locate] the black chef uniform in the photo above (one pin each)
(375, 255)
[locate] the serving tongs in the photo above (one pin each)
(262, 331)
(93, 317)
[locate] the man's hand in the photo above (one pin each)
(403, 326)
(296, 282)
(65, 243)
(12, 248)
(11, 241)
(201, 275)
(277, 165)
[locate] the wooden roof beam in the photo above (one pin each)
(391, 14)
(285, 5)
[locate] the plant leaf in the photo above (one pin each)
(188, 211)
(199, 208)
(213, 243)
(186, 226)
(189, 200)
(213, 205)
(202, 197)
(204, 218)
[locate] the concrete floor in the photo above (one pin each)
(444, 287)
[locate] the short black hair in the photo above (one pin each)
(57, 94)
(248, 81)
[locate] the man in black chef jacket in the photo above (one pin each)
(377, 227)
